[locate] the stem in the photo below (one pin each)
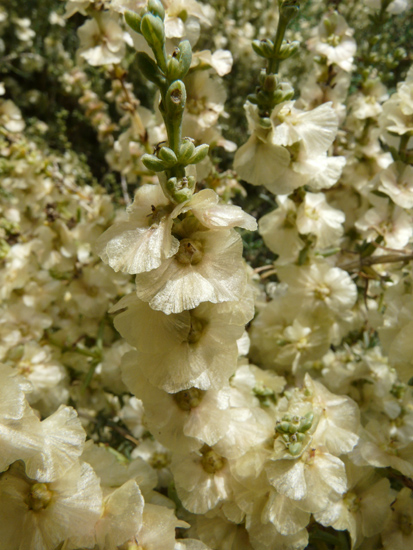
(374, 260)
(274, 62)
(174, 131)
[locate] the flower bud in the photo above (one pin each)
(288, 49)
(186, 150)
(199, 154)
(133, 20)
(152, 29)
(154, 163)
(156, 7)
(167, 156)
(263, 48)
(289, 8)
(175, 99)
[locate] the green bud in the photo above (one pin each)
(264, 48)
(153, 30)
(295, 448)
(283, 427)
(133, 20)
(179, 63)
(292, 428)
(288, 49)
(199, 154)
(175, 99)
(153, 163)
(306, 422)
(156, 7)
(185, 56)
(150, 69)
(186, 150)
(173, 69)
(181, 190)
(252, 98)
(289, 8)
(168, 156)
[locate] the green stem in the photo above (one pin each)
(274, 62)
(174, 132)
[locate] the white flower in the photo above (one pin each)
(208, 267)
(183, 421)
(144, 240)
(319, 284)
(397, 182)
(39, 516)
(221, 60)
(178, 351)
(202, 479)
(101, 40)
(315, 216)
(279, 231)
(334, 41)
(316, 128)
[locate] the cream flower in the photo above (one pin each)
(279, 231)
(178, 351)
(397, 182)
(315, 479)
(319, 284)
(143, 241)
(316, 216)
(363, 509)
(101, 40)
(317, 128)
(208, 267)
(289, 150)
(183, 421)
(38, 516)
(398, 533)
(334, 41)
(202, 479)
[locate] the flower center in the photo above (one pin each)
(190, 252)
(189, 399)
(196, 330)
(39, 497)
(211, 461)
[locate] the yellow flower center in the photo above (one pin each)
(189, 399)
(39, 497)
(211, 461)
(190, 252)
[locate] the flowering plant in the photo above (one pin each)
(174, 374)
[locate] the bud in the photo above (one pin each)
(289, 8)
(264, 48)
(153, 30)
(180, 190)
(186, 151)
(173, 69)
(288, 49)
(156, 7)
(199, 154)
(175, 99)
(153, 163)
(133, 20)
(167, 156)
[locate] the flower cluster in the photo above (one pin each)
(158, 390)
